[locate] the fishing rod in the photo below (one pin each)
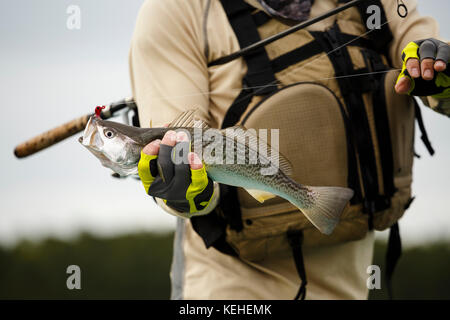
(70, 128)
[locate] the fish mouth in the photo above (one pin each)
(90, 132)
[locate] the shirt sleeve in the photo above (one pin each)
(168, 68)
(212, 204)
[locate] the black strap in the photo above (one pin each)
(423, 131)
(211, 228)
(297, 55)
(259, 70)
(343, 66)
(295, 238)
(313, 48)
(353, 175)
(375, 64)
(261, 18)
(231, 207)
(384, 138)
(393, 253)
(379, 40)
(380, 37)
(238, 107)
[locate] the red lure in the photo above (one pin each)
(98, 110)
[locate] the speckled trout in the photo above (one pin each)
(118, 147)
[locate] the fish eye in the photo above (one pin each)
(109, 133)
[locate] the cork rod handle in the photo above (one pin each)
(51, 137)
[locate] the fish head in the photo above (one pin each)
(112, 146)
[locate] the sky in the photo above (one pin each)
(50, 74)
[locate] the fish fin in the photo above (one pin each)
(252, 139)
(188, 119)
(260, 195)
(326, 207)
(284, 164)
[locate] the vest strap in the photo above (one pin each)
(380, 37)
(393, 253)
(313, 48)
(343, 66)
(423, 131)
(238, 107)
(375, 64)
(261, 18)
(259, 72)
(295, 238)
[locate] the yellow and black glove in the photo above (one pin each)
(184, 189)
(439, 86)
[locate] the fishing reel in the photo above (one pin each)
(68, 129)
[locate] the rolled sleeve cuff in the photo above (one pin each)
(439, 105)
(208, 209)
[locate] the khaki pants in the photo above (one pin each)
(333, 272)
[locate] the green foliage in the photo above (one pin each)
(127, 267)
(137, 267)
(421, 273)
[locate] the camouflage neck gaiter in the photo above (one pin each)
(297, 10)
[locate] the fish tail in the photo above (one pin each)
(324, 205)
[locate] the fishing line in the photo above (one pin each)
(323, 55)
(274, 83)
(257, 87)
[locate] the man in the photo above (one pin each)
(175, 42)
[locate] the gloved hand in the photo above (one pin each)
(429, 78)
(184, 187)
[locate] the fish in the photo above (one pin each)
(118, 147)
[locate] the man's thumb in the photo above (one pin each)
(194, 161)
(403, 85)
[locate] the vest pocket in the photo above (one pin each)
(313, 136)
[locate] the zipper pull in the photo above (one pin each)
(402, 10)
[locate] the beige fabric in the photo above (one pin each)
(334, 272)
(169, 74)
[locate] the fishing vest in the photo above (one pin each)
(346, 127)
